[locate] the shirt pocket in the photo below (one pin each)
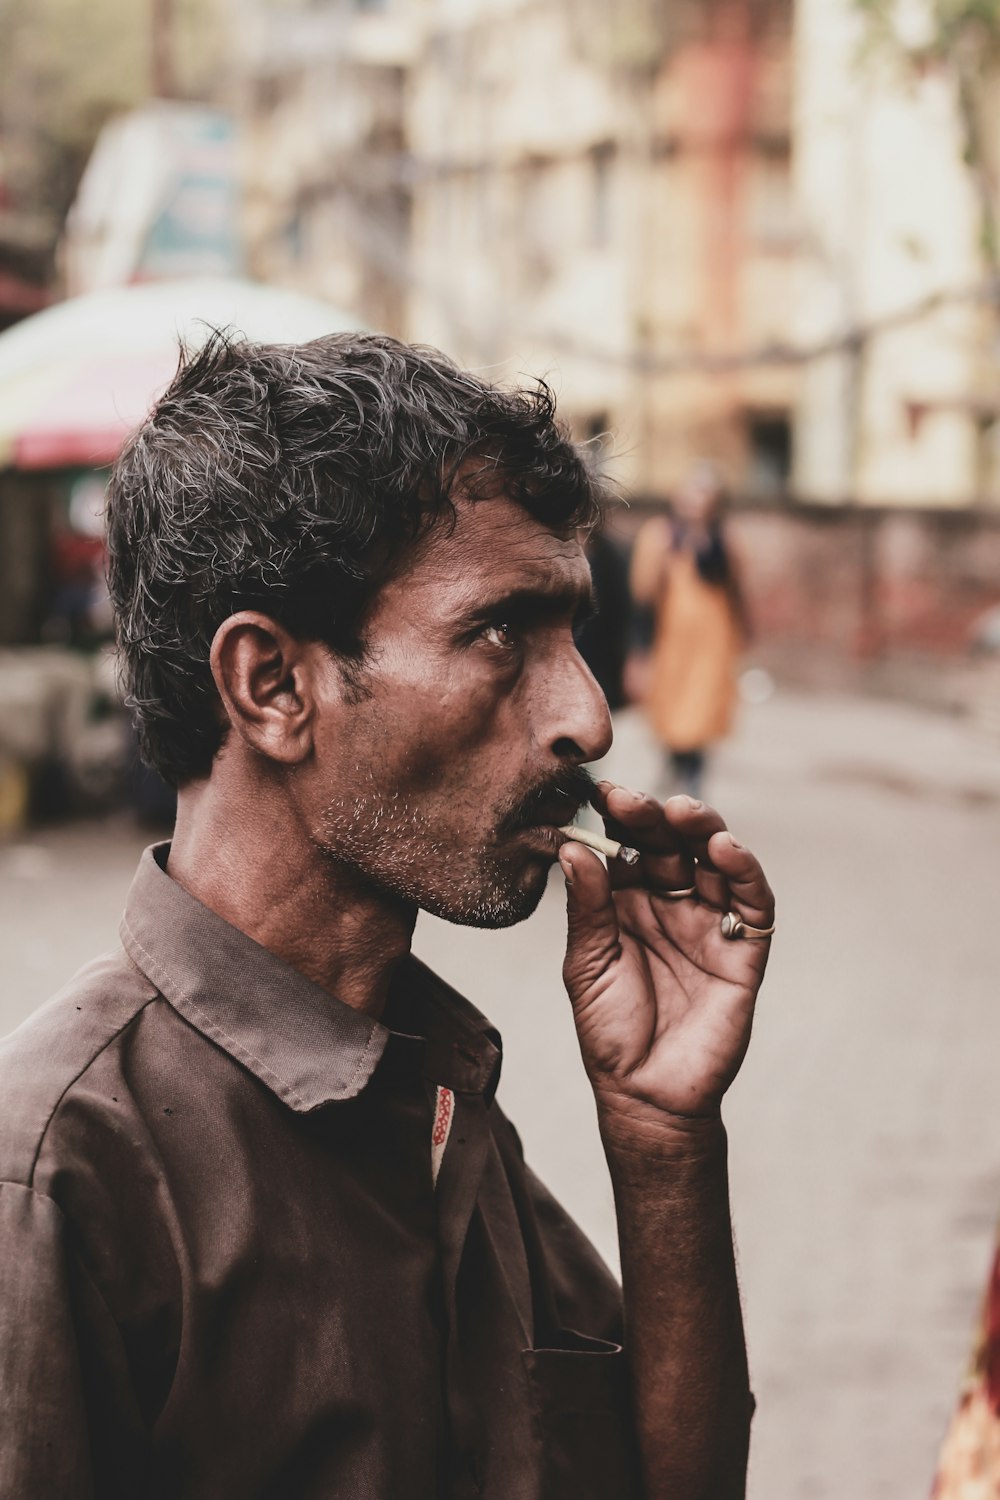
(582, 1419)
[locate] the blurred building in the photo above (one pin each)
(757, 230)
(319, 92)
(730, 227)
(604, 193)
(550, 186)
(894, 269)
(24, 244)
(892, 555)
(159, 198)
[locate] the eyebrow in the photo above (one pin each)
(537, 603)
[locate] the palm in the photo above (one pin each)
(664, 1003)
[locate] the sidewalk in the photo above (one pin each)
(839, 739)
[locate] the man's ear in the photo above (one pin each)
(266, 680)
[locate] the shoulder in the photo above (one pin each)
(42, 1061)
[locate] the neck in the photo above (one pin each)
(251, 861)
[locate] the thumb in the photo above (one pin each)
(593, 941)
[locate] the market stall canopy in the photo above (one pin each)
(76, 378)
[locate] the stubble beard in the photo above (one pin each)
(391, 846)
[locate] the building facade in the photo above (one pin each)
(603, 195)
(319, 94)
(895, 276)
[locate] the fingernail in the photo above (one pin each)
(735, 842)
(567, 870)
(693, 803)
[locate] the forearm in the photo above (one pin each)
(663, 1004)
(683, 1324)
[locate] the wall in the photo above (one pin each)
(855, 595)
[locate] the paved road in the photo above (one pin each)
(865, 1137)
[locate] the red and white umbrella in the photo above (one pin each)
(76, 378)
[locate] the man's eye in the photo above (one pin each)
(501, 634)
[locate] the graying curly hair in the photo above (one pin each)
(290, 479)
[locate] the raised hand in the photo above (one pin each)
(663, 1001)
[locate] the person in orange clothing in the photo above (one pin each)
(684, 570)
(969, 1463)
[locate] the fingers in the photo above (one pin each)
(729, 876)
(749, 893)
(681, 843)
(666, 860)
(593, 939)
(697, 823)
(672, 839)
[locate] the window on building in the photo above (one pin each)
(769, 440)
(539, 233)
(601, 163)
(272, 90)
(294, 235)
(772, 218)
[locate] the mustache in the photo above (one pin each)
(564, 793)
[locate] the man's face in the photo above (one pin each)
(444, 785)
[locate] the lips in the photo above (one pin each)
(552, 804)
(557, 810)
(544, 839)
(542, 831)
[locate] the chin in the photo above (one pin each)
(501, 904)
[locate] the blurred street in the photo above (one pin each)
(865, 1149)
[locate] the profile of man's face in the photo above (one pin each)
(444, 785)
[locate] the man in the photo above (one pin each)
(265, 1232)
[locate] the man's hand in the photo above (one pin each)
(663, 1005)
(663, 1002)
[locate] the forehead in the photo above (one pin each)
(495, 547)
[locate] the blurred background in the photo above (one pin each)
(758, 233)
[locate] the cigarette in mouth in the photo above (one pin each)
(609, 847)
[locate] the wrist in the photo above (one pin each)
(633, 1130)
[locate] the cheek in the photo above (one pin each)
(447, 734)
(420, 735)
(467, 737)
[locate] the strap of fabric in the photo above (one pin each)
(444, 1114)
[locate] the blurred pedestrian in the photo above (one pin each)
(969, 1463)
(683, 569)
(603, 637)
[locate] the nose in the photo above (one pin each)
(581, 720)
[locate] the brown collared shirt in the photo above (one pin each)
(227, 1268)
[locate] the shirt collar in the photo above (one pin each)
(307, 1047)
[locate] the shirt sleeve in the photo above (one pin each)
(44, 1442)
